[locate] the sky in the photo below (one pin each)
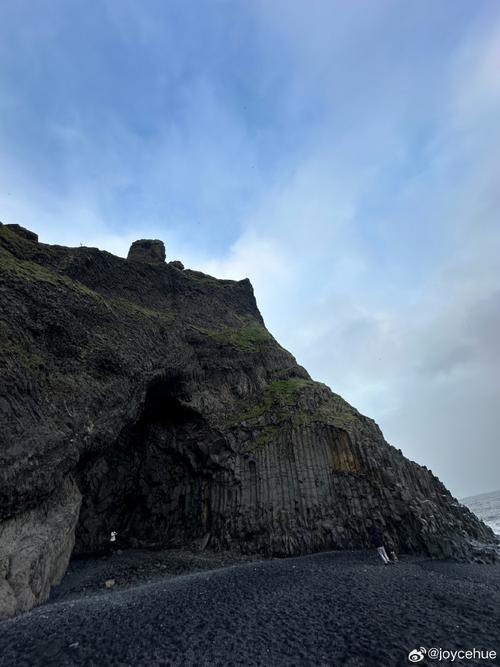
(345, 156)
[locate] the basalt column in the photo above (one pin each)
(152, 487)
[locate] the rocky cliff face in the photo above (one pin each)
(142, 398)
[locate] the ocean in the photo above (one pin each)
(487, 507)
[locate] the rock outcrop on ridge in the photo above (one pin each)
(150, 400)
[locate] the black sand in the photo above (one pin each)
(327, 609)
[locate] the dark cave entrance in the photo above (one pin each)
(152, 487)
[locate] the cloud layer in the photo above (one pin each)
(344, 156)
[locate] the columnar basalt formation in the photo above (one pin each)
(150, 401)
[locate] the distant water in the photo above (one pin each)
(487, 507)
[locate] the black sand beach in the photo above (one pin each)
(326, 609)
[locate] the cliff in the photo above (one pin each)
(142, 398)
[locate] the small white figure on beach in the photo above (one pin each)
(113, 536)
(377, 537)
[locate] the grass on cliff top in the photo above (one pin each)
(29, 271)
(14, 242)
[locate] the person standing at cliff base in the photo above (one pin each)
(377, 538)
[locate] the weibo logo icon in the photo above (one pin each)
(417, 655)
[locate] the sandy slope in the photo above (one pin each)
(327, 609)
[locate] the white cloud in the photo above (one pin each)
(422, 357)
(476, 78)
(372, 240)
(265, 260)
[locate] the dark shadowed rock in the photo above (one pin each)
(147, 250)
(159, 398)
(22, 231)
(177, 265)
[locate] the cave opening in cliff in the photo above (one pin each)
(149, 488)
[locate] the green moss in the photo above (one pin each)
(14, 241)
(335, 413)
(138, 309)
(29, 271)
(280, 399)
(24, 357)
(267, 436)
(279, 396)
(250, 337)
(253, 412)
(286, 390)
(20, 351)
(280, 403)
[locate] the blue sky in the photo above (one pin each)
(343, 155)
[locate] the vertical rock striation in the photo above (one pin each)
(155, 398)
(35, 548)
